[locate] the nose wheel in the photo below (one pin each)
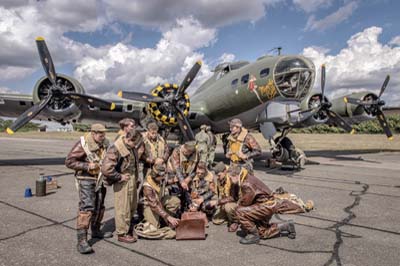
(285, 154)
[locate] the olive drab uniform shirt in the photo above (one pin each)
(203, 144)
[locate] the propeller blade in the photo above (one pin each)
(382, 120)
(339, 121)
(189, 78)
(323, 83)
(385, 83)
(28, 115)
(46, 60)
(142, 97)
(90, 100)
(184, 125)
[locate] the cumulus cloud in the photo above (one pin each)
(312, 5)
(210, 13)
(337, 17)
(226, 57)
(127, 67)
(395, 41)
(20, 24)
(362, 65)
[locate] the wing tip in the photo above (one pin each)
(9, 131)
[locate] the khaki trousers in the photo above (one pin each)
(125, 202)
(225, 213)
(171, 205)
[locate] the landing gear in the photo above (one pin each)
(284, 152)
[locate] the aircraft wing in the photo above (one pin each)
(12, 105)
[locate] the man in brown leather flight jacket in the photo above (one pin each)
(120, 168)
(85, 158)
(256, 206)
(158, 203)
(242, 146)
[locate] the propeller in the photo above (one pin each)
(324, 107)
(374, 107)
(188, 79)
(171, 101)
(54, 92)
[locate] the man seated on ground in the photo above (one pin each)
(226, 195)
(157, 201)
(200, 190)
(256, 206)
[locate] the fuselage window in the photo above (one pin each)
(129, 107)
(264, 73)
(245, 79)
(234, 83)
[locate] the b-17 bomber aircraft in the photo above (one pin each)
(274, 93)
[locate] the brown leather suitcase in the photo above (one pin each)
(191, 226)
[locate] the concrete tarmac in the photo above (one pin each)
(355, 221)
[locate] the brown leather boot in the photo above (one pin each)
(83, 245)
(287, 229)
(127, 239)
(251, 238)
(95, 227)
(82, 226)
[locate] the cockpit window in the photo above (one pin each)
(245, 79)
(294, 77)
(264, 73)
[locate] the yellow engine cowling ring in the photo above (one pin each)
(160, 111)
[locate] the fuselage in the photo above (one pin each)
(242, 88)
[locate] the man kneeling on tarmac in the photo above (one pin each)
(256, 206)
(156, 201)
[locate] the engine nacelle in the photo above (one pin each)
(314, 100)
(348, 110)
(60, 108)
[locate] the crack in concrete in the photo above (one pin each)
(339, 233)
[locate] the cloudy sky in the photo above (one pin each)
(133, 45)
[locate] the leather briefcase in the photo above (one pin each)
(191, 226)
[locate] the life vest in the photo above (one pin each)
(236, 144)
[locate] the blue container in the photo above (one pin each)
(49, 178)
(28, 192)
